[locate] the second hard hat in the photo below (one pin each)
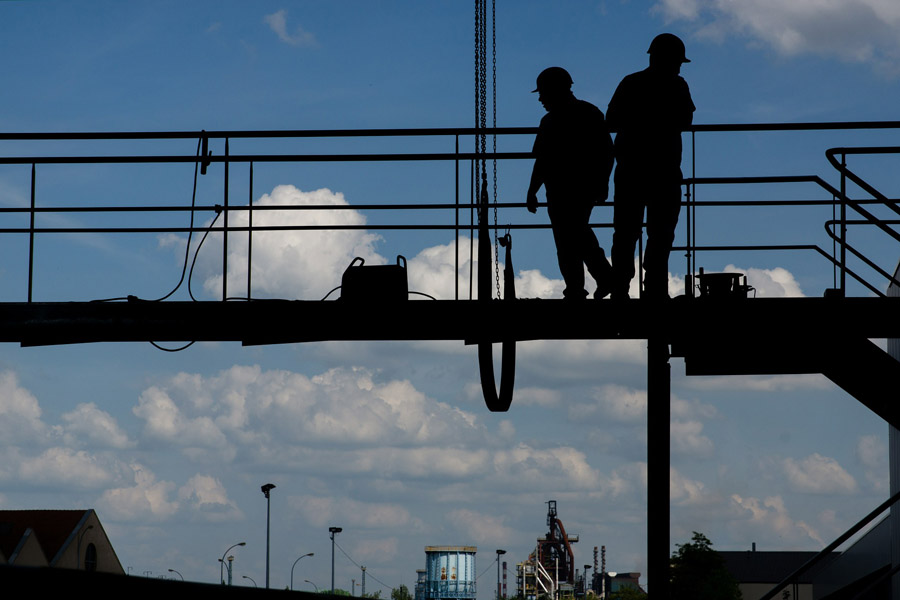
(668, 44)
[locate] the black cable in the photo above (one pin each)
(331, 292)
(187, 250)
(368, 572)
(186, 346)
(422, 294)
(488, 568)
(197, 252)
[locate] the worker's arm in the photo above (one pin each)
(537, 180)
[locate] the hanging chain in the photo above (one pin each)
(494, 122)
(481, 120)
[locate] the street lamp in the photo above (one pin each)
(265, 490)
(222, 562)
(251, 579)
(179, 574)
(499, 554)
(312, 584)
(294, 565)
(333, 530)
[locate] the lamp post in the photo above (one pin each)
(499, 554)
(265, 490)
(294, 565)
(251, 579)
(78, 547)
(333, 531)
(222, 562)
(312, 584)
(176, 572)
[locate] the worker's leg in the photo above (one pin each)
(662, 218)
(627, 224)
(568, 237)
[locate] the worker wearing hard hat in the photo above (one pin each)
(649, 110)
(573, 157)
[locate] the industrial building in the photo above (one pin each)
(550, 570)
(449, 573)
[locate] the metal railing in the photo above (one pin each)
(459, 203)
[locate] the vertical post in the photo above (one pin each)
(225, 232)
(250, 231)
(456, 230)
(472, 206)
(690, 192)
(267, 492)
(658, 434)
(31, 237)
(499, 589)
(333, 531)
(363, 581)
(843, 225)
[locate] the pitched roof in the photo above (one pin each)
(53, 529)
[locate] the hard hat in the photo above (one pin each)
(553, 78)
(668, 44)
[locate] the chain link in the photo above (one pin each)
(481, 118)
(494, 123)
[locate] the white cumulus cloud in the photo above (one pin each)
(99, 428)
(208, 498)
(769, 519)
(864, 31)
(304, 264)
(817, 474)
(147, 499)
(20, 412)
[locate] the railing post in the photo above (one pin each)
(691, 193)
(843, 225)
(456, 231)
(225, 231)
(250, 231)
(31, 236)
(689, 273)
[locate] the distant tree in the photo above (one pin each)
(337, 592)
(628, 593)
(698, 573)
(376, 595)
(401, 593)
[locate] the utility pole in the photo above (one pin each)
(265, 490)
(499, 589)
(363, 581)
(333, 531)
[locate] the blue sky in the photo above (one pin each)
(391, 440)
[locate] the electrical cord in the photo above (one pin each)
(368, 572)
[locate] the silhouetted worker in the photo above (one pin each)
(649, 110)
(573, 159)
